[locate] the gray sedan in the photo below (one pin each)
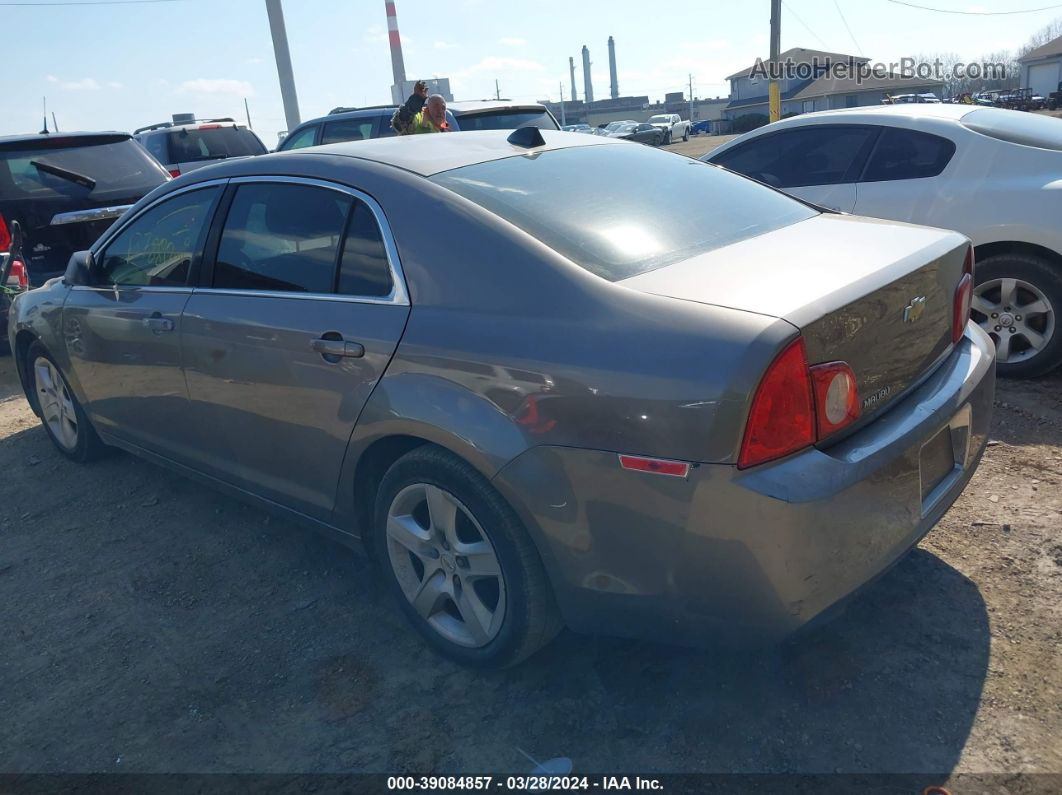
(541, 385)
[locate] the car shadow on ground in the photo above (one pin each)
(164, 625)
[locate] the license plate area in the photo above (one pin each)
(943, 458)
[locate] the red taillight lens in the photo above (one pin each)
(655, 466)
(782, 419)
(209, 126)
(16, 275)
(968, 263)
(175, 172)
(963, 297)
(836, 397)
(5, 235)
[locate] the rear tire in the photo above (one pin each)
(1024, 292)
(686, 135)
(460, 563)
(64, 420)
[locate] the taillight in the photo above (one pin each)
(836, 397)
(5, 235)
(655, 466)
(209, 127)
(796, 405)
(16, 275)
(782, 419)
(175, 172)
(963, 298)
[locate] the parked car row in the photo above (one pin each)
(991, 174)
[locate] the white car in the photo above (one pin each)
(673, 125)
(994, 175)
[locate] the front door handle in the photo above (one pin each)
(158, 324)
(333, 350)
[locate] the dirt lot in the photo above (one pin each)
(151, 625)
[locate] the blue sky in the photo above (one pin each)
(123, 66)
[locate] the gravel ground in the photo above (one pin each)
(151, 625)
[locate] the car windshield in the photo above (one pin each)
(188, 146)
(96, 167)
(505, 120)
(625, 128)
(631, 210)
(656, 119)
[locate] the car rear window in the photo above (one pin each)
(188, 146)
(621, 210)
(1027, 129)
(57, 168)
(505, 120)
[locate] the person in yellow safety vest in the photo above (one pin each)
(421, 113)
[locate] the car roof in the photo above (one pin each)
(876, 112)
(40, 136)
(431, 154)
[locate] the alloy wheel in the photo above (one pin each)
(57, 406)
(446, 565)
(1017, 315)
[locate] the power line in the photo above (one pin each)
(845, 21)
(796, 16)
(976, 13)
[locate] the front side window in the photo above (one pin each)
(630, 210)
(908, 154)
(811, 155)
(347, 130)
(281, 237)
(157, 248)
(301, 139)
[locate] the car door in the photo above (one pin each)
(902, 178)
(300, 308)
(818, 163)
(123, 330)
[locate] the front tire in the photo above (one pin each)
(667, 138)
(1018, 302)
(64, 420)
(686, 135)
(460, 563)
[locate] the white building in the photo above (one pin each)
(1041, 69)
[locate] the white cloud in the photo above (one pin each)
(114, 84)
(216, 85)
(52, 79)
(444, 45)
(84, 84)
(512, 41)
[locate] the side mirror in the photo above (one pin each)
(79, 269)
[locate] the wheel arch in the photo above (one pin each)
(23, 340)
(986, 250)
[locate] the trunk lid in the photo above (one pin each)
(875, 294)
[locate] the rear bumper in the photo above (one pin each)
(753, 555)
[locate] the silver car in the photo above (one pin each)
(540, 384)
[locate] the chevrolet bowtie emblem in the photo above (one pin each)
(913, 311)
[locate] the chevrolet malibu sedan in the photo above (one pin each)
(539, 385)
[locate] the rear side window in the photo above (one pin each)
(505, 120)
(363, 267)
(907, 154)
(347, 130)
(156, 146)
(301, 139)
(78, 169)
(811, 155)
(157, 248)
(632, 208)
(281, 237)
(188, 146)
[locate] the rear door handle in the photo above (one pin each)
(158, 324)
(335, 349)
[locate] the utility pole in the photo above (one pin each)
(280, 50)
(561, 86)
(776, 46)
(497, 91)
(247, 110)
(691, 98)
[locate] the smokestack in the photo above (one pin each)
(612, 67)
(588, 86)
(398, 66)
(571, 66)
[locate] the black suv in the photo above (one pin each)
(63, 190)
(357, 124)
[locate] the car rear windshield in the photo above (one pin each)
(621, 210)
(505, 120)
(188, 146)
(1027, 129)
(77, 168)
